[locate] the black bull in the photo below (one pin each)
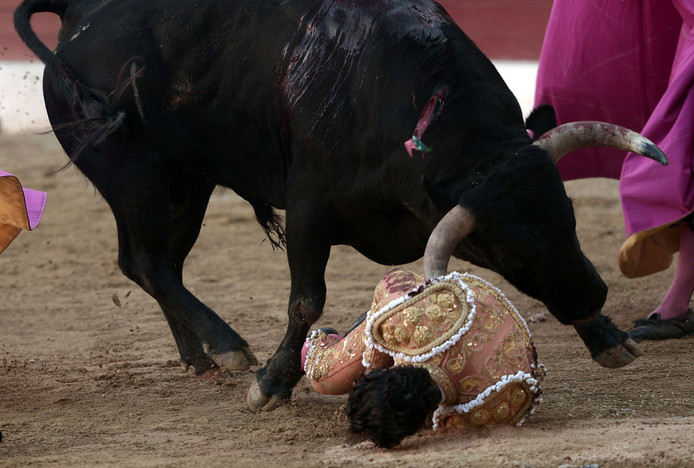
(305, 106)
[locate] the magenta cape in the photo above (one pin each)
(629, 63)
(20, 208)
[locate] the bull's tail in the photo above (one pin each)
(22, 23)
(96, 116)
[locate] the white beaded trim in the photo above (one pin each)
(520, 377)
(469, 298)
(540, 371)
(311, 346)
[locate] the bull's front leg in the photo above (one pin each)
(609, 346)
(308, 250)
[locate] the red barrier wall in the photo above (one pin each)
(503, 29)
(46, 26)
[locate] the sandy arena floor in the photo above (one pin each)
(85, 381)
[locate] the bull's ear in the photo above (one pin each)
(438, 196)
(540, 120)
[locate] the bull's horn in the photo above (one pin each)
(447, 234)
(574, 135)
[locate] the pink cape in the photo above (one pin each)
(629, 63)
(20, 208)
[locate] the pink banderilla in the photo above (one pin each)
(432, 108)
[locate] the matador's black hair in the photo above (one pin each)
(387, 405)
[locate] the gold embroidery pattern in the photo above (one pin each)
(501, 302)
(421, 323)
(446, 301)
(479, 417)
(422, 335)
(499, 323)
(412, 316)
(401, 335)
(495, 345)
(456, 364)
(325, 355)
(507, 406)
(435, 313)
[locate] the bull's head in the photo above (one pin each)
(520, 223)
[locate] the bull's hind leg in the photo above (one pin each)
(156, 264)
(186, 215)
(188, 205)
(156, 226)
(159, 213)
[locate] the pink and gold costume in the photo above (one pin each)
(20, 208)
(460, 328)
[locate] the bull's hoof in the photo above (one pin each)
(239, 360)
(208, 370)
(257, 401)
(212, 374)
(619, 356)
(202, 365)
